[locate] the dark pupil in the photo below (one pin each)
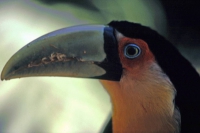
(131, 51)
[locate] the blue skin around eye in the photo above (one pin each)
(134, 46)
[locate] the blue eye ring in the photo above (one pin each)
(132, 51)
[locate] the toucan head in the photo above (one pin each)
(88, 51)
(97, 51)
(107, 52)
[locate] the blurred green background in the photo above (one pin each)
(60, 105)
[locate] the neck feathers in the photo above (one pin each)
(144, 103)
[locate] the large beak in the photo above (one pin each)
(88, 51)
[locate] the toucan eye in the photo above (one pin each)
(132, 51)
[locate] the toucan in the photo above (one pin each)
(153, 88)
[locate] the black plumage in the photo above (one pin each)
(180, 71)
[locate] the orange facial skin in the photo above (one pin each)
(143, 99)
